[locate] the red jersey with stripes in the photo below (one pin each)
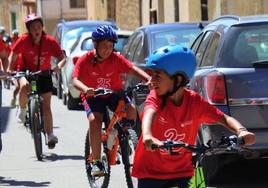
(29, 51)
(177, 123)
(105, 74)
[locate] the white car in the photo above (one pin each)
(71, 96)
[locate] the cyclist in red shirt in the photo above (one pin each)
(102, 68)
(4, 62)
(14, 38)
(173, 112)
(36, 48)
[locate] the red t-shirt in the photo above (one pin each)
(105, 74)
(29, 51)
(177, 123)
(2, 45)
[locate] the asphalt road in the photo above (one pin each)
(63, 167)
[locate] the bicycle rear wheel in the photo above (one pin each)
(36, 127)
(97, 181)
(128, 142)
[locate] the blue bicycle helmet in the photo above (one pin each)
(104, 32)
(173, 60)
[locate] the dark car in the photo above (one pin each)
(146, 39)
(232, 74)
(66, 33)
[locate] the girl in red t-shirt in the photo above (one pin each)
(36, 49)
(173, 112)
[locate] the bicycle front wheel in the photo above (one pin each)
(36, 127)
(128, 143)
(97, 181)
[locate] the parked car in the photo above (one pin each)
(71, 96)
(146, 39)
(66, 33)
(232, 74)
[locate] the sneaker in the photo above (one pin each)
(21, 115)
(52, 141)
(97, 169)
(13, 102)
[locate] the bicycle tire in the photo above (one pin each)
(36, 127)
(102, 181)
(128, 142)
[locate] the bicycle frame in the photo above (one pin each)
(117, 116)
(34, 117)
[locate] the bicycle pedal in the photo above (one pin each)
(51, 145)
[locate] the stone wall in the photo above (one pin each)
(127, 14)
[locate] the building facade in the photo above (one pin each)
(13, 12)
(127, 14)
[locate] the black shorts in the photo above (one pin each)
(98, 104)
(44, 84)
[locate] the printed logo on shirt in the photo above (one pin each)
(187, 123)
(109, 74)
(172, 134)
(104, 83)
(162, 120)
(93, 74)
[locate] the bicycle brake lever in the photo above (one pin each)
(102, 91)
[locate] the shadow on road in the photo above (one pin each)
(10, 182)
(5, 111)
(55, 157)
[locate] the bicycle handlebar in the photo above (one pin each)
(28, 74)
(231, 143)
(104, 91)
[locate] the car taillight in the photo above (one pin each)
(75, 59)
(215, 87)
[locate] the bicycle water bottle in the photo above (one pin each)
(34, 87)
(111, 138)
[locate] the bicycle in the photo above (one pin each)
(117, 139)
(231, 144)
(34, 117)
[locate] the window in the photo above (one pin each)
(13, 20)
(77, 4)
(133, 48)
(203, 46)
(211, 52)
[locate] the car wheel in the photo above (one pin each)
(59, 86)
(72, 103)
(64, 99)
(211, 168)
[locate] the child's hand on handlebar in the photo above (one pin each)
(89, 92)
(249, 138)
(148, 141)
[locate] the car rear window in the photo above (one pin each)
(245, 46)
(184, 37)
(87, 44)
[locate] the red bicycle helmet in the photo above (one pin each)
(29, 19)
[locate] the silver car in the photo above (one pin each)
(71, 96)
